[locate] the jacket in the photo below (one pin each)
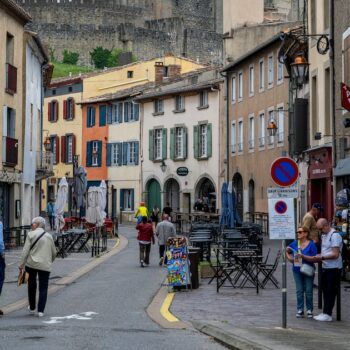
(145, 232)
(141, 211)
(43, 253)
(50, 209)
(164, 230)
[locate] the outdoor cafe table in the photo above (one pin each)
(203, 241)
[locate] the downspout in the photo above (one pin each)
(227, 128)
(332, 79)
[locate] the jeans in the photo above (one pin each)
(304, 286)
(52, 222)
(330, 284)
(2, 271)
(43, 286)
(145, 249)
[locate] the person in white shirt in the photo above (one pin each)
(332, 264)
(164, 230)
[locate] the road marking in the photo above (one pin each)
(116, 245)
(83, 316)
(164, 310)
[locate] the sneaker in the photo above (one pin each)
(1, 313)
(40, 314)
(31, 311)
(300, 314)
(309, 314)
(142, 263)
(323, 318)
(161, 261)
(146, 264)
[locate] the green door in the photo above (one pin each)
(153, 195)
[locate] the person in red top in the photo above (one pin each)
(145, 237)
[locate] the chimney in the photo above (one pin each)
(159, 72)
(174, 70)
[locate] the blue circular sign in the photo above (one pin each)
(284, 171)
(281, 207)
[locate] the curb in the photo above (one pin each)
(230, 340)
(158, 311)
(71, 277)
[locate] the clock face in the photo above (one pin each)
(322, 45)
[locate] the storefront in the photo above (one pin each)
(320, 179)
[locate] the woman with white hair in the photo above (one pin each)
(38, 253)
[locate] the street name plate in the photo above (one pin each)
(282, 192)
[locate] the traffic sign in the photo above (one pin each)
(282, 192)
(284, 171)
(281, 207)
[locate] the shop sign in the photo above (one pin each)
(182, 171)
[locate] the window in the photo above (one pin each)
(95, 150)
(271, 138)
(130, 74)
(115, 113)
(54, 148)
(179, 103)
(116, 154)
(131, 111)
(10, 126)
(127, 199)
(233, 138)
(158, 138)
(203, 140)
(240, 136)
(251, 81)
(326, 14)
(270, 71)
(262, 129)
(10, 48)
(240, 86)
(279, 71)
(91, 111)
(131, 153)
(203, 99)
(261, 75)
(69, 147)
(234, 93)
(68, 109)
(53, 111)
(179, 135)
(251, 132)
(158, 107)
(280, 125)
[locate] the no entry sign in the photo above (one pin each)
(284, 171)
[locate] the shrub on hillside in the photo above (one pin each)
(70, 57)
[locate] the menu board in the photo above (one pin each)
(177, 262)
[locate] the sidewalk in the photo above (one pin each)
(60, 268)
(243, 315)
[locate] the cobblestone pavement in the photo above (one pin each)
(244, 308)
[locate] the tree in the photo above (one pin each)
(70, 57)
(113, 59)
(100, 57)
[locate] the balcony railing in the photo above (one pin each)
(261, 141)
(233, 148)
(280, 137)
(11, 78)
(44, 164)
(240, 147)
(251, 144)
(9, 151)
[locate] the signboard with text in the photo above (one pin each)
(282, 192)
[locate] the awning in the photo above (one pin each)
(342, 168)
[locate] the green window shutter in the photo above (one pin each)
(172, 143)
(209, 140)
(196, 141)
(151, 144)
(164, 144)
(184, 142)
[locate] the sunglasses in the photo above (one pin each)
(300, 231)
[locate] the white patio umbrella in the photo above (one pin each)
(61, 201)
(93, 213)
(103, 188)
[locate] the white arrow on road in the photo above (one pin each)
(82, 317)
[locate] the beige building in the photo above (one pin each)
(257, 93)
(12, 21)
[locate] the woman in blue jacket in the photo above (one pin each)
(303, 282)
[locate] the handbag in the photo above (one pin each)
(307, 270)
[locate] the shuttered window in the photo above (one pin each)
(178, 143)
(69, 109)
(90, 118)
(202, 141)
(52, 112)
(127, 199)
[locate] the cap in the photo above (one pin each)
(142, 203)
(317, 206)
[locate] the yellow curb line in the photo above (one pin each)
(164, 310)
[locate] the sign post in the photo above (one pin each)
(285, 173)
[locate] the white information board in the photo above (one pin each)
(282, 192)
(281, 218)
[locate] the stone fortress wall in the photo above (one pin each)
(148, 28)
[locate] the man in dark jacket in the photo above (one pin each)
(145, 237)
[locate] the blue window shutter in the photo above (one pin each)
(88, 153)
(120, 152)
(136, 153)
(102, 115)
(132, 199)
(88, 117)
(122, 199)
(99, 153)
(137, 111)
(93, 116)
(109, 114)
(126, 112)
(125, 153)
(109, 154)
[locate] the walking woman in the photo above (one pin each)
(304, 280)
(38, 253)
(145, 237)
(155, 216)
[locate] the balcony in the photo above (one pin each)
(9, 151)
(240, 147)
(233, 148)
(11, 79)
(261, 141)
(44, 165)
(251, 144)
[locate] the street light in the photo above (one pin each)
(272, 128)
(163, 166)
(47, 144)
(300, 69)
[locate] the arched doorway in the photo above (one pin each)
(205, 190)
(251, 196)
(172, 194)
(237, 183)
(153, 195)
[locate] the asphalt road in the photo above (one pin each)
(104, 309)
